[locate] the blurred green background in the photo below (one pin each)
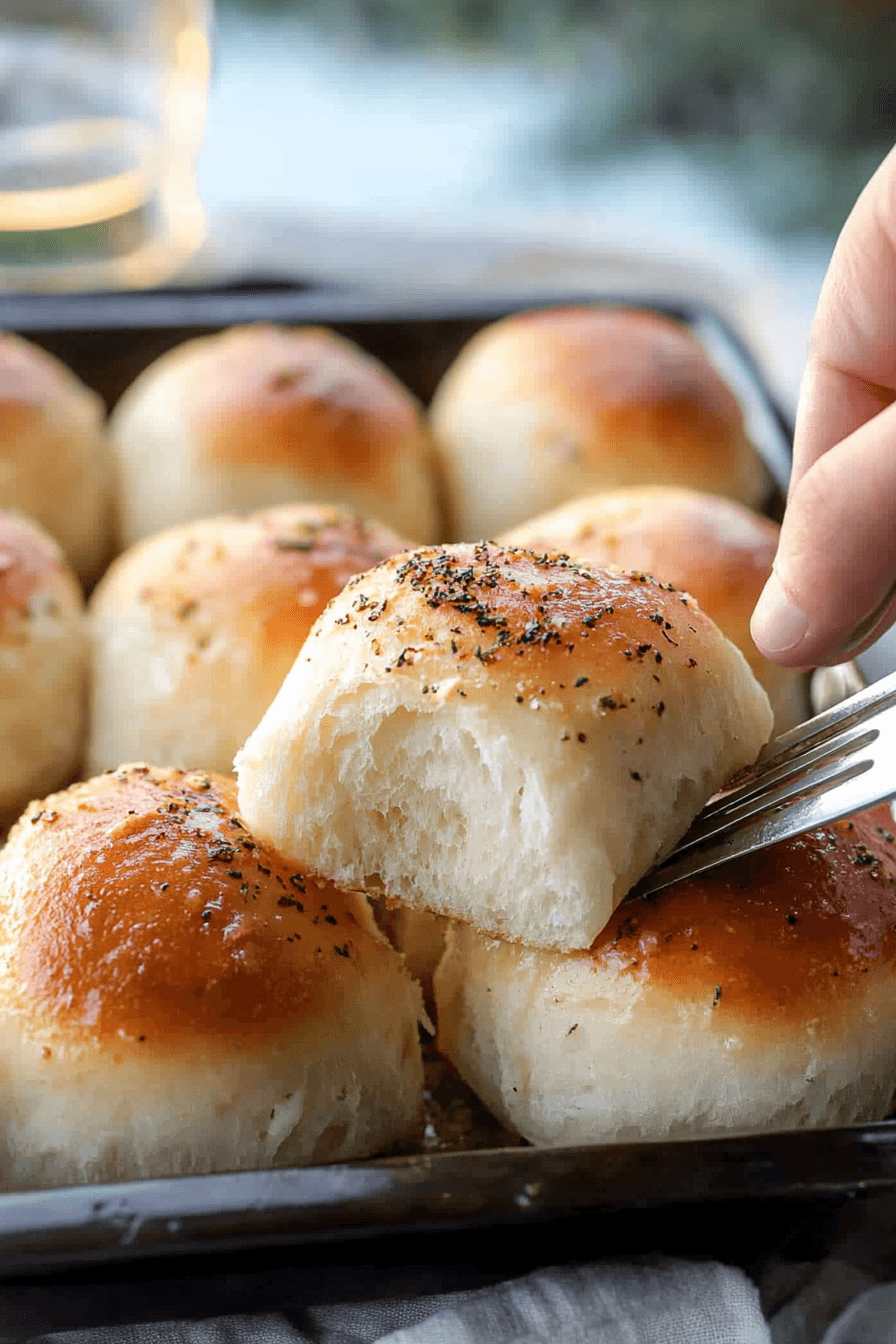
(796, 100)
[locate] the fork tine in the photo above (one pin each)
(810, 782)
(780, 784)
(816, 773)
(839, 799)
(807, 736)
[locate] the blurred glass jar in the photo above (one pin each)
(102, 113)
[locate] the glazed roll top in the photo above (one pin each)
(264, 415)
(715, 549)
(194, 629)
(758, 997)
(175, 998)
(546, 406)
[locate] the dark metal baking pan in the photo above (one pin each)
(78, 1256)
(443, 1191)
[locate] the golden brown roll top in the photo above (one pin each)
(194, 629)
(546, 406)
(758, 997)
(262, 415)
(43, 665)
(717, 550)
(54, 459)
(174, 997)
(499, 736)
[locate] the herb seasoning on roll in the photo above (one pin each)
(175, 998)
(193, 630)
(500, 736)
(715, 549)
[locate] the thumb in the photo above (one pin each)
(832, 591)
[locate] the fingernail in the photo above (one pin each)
(865, 627)
(777, 625)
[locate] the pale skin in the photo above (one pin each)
(833, 590)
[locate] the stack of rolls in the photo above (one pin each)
(510, 740)
(499, 736)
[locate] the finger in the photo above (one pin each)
(831, 593)
(851, 369)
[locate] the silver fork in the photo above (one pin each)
(840, 762)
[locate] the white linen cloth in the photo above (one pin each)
(651, 1301)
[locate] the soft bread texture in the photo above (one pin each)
(263, 415)
(502, 737)
(55, 463)
(174, 998)
(418, 936)
(719, 551)
(43, 666)
(194, 629)
(546, 406)
(761, 997)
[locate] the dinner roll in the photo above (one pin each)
(761, 996)
(546, 406)
(262, 415)
(43, 666)
(502, 737)
(54, 458)
(176, 999)
(719, 551)
(194, 629)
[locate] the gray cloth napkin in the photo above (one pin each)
(869, 1319)
(651, 1301)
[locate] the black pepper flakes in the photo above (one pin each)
(294, 543)
(222, 854)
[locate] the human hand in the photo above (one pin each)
(833, 589)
